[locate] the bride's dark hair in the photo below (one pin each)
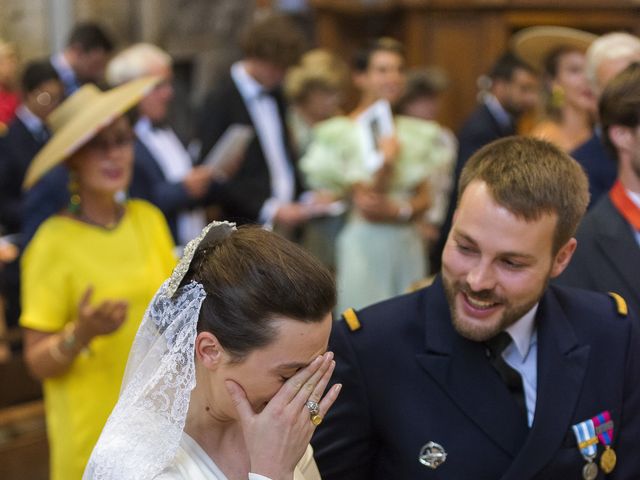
(252, 277)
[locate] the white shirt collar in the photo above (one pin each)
(635, 197)
(497, 110)
(30, 120)
(248, 86)
(142, 126)
(62, 66)
(522, 331)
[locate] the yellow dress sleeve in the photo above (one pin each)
(45, 295)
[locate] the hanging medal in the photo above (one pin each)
(604, 430)
(585, 434)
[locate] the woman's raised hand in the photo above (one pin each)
(102, 319)
(277, 437)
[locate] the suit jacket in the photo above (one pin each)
(480, 129)
(149, 182)
(598, 164)
(67, 75)
(17, 149)
(608, 256)
(408, 378)
(244, 194)
(47, 197)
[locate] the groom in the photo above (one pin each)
(483, 374)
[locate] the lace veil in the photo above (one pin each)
(143, 432)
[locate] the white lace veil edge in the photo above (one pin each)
(143, 432)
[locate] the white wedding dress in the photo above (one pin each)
(193, 463)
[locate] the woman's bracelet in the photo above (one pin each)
(63, 350)
(56, 353)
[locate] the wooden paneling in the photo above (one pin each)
(24, 450)
(463, 36)
(450, 40)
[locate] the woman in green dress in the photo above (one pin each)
(379, 252)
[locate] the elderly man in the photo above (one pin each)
(163, 171)
(608, 254)
(606, 57)
(485, 374)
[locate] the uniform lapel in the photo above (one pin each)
(464, 373)
(562, 363)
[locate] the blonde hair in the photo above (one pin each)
(611, 46)
(6, 47)
(134, 62)
(318, 69)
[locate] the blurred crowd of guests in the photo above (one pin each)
(90, 215)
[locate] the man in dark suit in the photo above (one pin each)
(606, 57)
(84, 58)
(608, 253)
(483, 374)
(513, 92)
(266, 186)
(27, 133)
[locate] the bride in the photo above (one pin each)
(226, 377)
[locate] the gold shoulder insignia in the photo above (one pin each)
(621, 304)
(3, 129)
(351, 318)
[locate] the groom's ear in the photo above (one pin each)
(208, 350)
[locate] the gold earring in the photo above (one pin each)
(74, 194)
(557, 97)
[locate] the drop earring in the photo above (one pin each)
(557, 97)
(74, 194)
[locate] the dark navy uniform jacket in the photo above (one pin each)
(608, 255)
(598, 164)
(408, 378)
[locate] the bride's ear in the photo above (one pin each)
(208, 350)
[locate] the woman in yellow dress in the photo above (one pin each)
(89, 272)
(559, 53)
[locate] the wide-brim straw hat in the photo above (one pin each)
(534, 44)
(80, 117)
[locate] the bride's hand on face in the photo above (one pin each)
(277, 437)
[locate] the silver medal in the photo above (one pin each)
(590, 471)
(432, 455)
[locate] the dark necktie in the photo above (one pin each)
(41, 135)
(509, 375)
